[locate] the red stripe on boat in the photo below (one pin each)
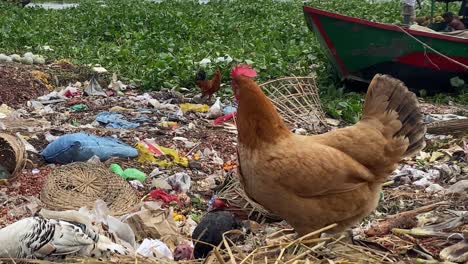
(433, 61)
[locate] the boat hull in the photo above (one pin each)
(359, 49)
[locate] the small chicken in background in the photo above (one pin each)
(208, 86)
(336, 177)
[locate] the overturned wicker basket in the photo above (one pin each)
(13, 155)
(80, 184)
(297, 100)
(233, 192)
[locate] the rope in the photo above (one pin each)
(433, 50)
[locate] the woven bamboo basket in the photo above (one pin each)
(13, 155)
(297, 100)
(233, 192)
(80, 184)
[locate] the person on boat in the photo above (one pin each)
(463, 9)
(453, 22)
(408, 12)
(464, 12)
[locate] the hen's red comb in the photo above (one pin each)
(243, 70)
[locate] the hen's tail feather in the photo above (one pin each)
(387, 95)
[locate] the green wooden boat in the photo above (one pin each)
(359, 49)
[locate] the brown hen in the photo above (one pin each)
(208, 87)
(336, 177)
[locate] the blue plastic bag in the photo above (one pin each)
(82, 146)
(115, 120)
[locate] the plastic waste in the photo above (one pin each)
(215, 110)
(49, 137)
(116, 85)
(116, 227)
(70, 91)
(94, 88)
(128, 174)
(149, 151)
(94, 160)
(78, 107)
(159, 194)
(199, 108)
(229, 109)
(226, 58)
(137, 185)
(154, 248)
(161, 184)
(224, 118)
(115, 120)
(82, 146)
(144, 154)
(162, 106)
(180, 182)
(205, 62)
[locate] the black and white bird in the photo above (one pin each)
(42, 238)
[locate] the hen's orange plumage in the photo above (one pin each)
(336, 177)
(208, 87)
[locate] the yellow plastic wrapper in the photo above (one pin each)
(182, 161)
(200, 108)
(145, 155)
(179, 217)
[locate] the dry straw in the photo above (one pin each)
(80, 184)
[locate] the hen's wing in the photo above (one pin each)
(309, 169)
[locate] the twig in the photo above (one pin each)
(388, 183)
(193, 148)
(306, 252)
(226, 244)
(314, 233)
(218, 256)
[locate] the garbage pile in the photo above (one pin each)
(168, 161)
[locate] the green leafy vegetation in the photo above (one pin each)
(160, 44)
